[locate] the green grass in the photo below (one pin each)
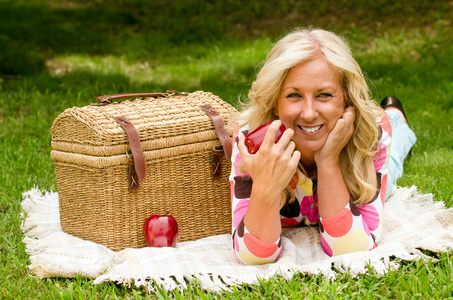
(58, 54)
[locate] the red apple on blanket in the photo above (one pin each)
(255, 138)
(160, 231)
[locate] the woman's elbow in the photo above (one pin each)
(250, 259)
(351, 242)
(252, 251)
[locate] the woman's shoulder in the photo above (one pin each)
(384, 123)
(384, 140)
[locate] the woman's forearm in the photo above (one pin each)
(333, 194)
(262, 218)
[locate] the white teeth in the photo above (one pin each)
(311, 129)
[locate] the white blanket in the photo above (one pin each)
(412, 221)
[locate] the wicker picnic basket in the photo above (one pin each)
(100, 167)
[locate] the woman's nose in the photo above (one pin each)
(309, 110)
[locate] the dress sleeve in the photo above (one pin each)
(248, 248)
(359, 227)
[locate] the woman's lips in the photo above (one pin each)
(310, 129)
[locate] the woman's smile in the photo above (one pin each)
(310, 130)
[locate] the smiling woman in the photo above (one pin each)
(332, 164)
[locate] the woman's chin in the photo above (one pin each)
(310, 143)
(307, 151)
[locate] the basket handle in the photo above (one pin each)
(108, 99)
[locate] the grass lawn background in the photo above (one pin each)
(56, 54)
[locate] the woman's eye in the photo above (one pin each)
(325, 95)
(294, 95)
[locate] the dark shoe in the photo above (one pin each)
(393, 101)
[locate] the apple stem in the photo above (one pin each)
(167, 212)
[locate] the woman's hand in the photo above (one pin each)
(271, 169)
(337, 139)
(273, 166)
(333, 195)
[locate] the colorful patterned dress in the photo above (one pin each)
(354, 228)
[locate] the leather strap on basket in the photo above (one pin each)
(137, 170)
(224, 137)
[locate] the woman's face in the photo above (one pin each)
(310, 102)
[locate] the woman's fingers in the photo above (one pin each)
(271, 134)
(344, 125)
(348, 117)
(338, 137)
(274, 164)
(295, 156)
(344, 128)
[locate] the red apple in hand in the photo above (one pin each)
(160, 231)
(255, 138)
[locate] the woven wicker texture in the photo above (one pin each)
(161, 122)
(91, 166)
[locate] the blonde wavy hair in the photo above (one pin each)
(302, 45)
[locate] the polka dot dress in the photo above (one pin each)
(354, 228)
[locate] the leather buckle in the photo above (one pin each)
(134, 182)
(216, 162)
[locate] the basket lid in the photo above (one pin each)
(161, 122)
